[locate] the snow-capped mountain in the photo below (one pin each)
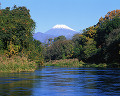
(59, 30)
(62, 27)
(56, 31)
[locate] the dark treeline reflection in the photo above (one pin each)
(16, 84)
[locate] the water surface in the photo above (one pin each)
(57, 81)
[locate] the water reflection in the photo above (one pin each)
(56, 81)
(16, 84)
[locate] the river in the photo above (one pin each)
(57, 81)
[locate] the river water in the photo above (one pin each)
(57, 81)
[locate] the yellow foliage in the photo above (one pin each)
(110, 15)
(81, 35)
(13, 49)
(91, 32)
(101, 19)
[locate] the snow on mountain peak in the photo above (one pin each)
(61, 26)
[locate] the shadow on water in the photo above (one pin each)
(56, 81)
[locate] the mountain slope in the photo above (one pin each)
(42, 37)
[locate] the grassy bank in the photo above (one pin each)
(16, 64)
(72, 63)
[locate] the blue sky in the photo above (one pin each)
(77, 14)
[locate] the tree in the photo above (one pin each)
(91, 31)
(16, 28)
(36, 52)
(109, 16)
(60, 38)
(60, 50)
(105, 29)
(113, 46)
(50, 41)
(107, 38)
(89, 50)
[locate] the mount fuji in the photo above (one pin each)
(56, 31)
(59, 30)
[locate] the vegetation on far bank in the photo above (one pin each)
(77, 63)
(97, 46)
(73, 63)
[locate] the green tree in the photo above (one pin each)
(113, 46)
(89, 50)
(104, 30)
(60, 38)
(60, 50)
(85, 47)
(36, 52)
(16, 28)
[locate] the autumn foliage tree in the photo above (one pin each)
(107, 38)
(109, 16)
(100, 43)
(91, 31)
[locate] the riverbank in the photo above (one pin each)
(20, 64)
(72, 63)
(16, 64)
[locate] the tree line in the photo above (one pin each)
(99, 43)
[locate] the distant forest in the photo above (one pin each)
(99, 43)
